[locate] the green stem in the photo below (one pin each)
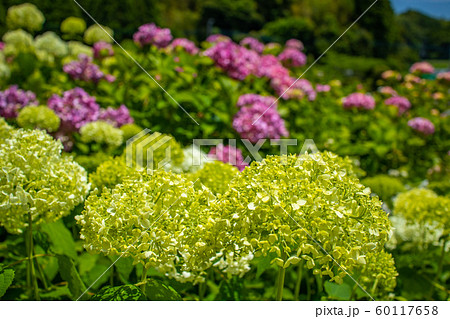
(308, 287)
(319, 283)
(280, 283)
(441, 261)
(31, 276)
(298, 283)
(143, 279)
(202, 290)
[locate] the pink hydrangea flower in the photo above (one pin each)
(75, 108)
(359, 100)
(249, 99)
(295, 44)
(295, 88)
(444, 76)
(102, 49)
(151, 34)
(292, 57)
(387, 90)
(186, 44)
(323, 88)
(269, 123)
(116, 117)
(402, 103)
(228, 154)
(422, 67)
(83, 69)
(270, 67)
(13, 99)
(252, 44)
(422, 125)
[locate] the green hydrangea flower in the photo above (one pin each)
(76, 48)
(152, 218)
(5, 130)
(110, 173)
(280, 207)
(385, 186)
(130, 130)
(38, 117)
(379, 274)
(216, 176)
(51, 44)
(17, 41)
(25, 16)
(36, 179)
(73, 25)
(95, 34)
(92, 161)
(102, 133)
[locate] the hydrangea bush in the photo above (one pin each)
(38, 117)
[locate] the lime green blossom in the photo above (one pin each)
(76, 48)
(385, 186)
(5, 130)
(379, 274)
(130, 130)
(51, 44)
(101, 132)
(95, 34)
(17, 41)
(25, 16)
(194, 159)
(216, 176)
(35, 179)
(275, 207)
(110, 173)
(73, 25)
(38, 117)
(153, 218)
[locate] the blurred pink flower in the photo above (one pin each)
(151, 34)
(421, 125)
(228, 154)
(359, 100)
(402, 103)
(422, 67)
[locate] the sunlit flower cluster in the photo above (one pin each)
(85, 70)
(359, 101)
(102, 49)
(292, 57)
(215, 175)
(101, 132)
(422, 67)
(422, 125)
(117, 117)
(402, 103)
(25, 16)
(185, 44)
(73, 25)
(96, 33)
(51, 44)
(38, 117)
(252, 44)
(110, 173)
(151, 34)
(13, 99)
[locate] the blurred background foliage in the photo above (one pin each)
(407, 37)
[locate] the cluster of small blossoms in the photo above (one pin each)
(17, 41)
(259, 121)
(216, 176)
(25, 16)
(13, 99)
(102, 49)
(51, 44)
(402, 103)
(75, 108)
(101, 132)
(38, 117)
(294, 43)
(96, 33)
(288, 87)
(266, 210)
(186, 44)
(236, 60)
(85, 70)
(388, 90)
(359, 101)
(323, 88)
(5, 130)
(110, 173)
(385, 186)
(155, 220)
(249, 99)
(252, 44)
(73, 25)
(292, 57)
(151, 34)
(422, 125)
(269, 66)
(117, 117)
(445, 76)
(228, 154)
(35, 179)
(422, 67)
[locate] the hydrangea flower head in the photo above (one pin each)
(151, 34)
(102, 49)
(249, 99)
(359, 101)
(422, 67)
(101, 132)
(292, 57)
(402, 103)
(25, 16)
(295, 44)
(422, 125)
(38, 117)
(97, 33)
(13, 99)
(85, 70)
(252, 44)
(215, 175)
(73, 25)
(186, 44)
(117, 117)
(52, 44)
(445, 76)
(228, 154)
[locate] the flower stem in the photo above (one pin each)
(298, 283)
(143, 279)
(31, 274)
(280, 283)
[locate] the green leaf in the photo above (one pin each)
(124, 267)
(263, 263)
(94, 270)
(119, 293)
(6, 279)
(155, 290)
(61, 240)
(338, 292)
(69, 273)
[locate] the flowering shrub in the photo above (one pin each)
(85, 70)
(216, 176)
(102, 49)
(35, 179)
(252, 44)
(96, 33)
(102, 133)
(51, 44)
(25, 16)
(110, 173)
(422, 125)
(228, 154)
(73, 25)
(13, 99)
(151, 34)
(400, 102)
(38, 117)
(422, 67)
(117, 117)
(185, 44)
(359, 100)
(292, 57)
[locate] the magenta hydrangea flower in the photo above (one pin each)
(228, 154)
(359, 100)
(151, 34)
(422, 67)
(252, 44)
(295, 88)
(421, 125)
(236, 60)
(269, 123)
(186, 44)
(102, 49)
(249, 99)
(444, 76)
(270, 67)
(292, 57)
(296, 44)
(402, 103)
(75, 108)
(83, 69)
(323, 88)
(13, 99)
(116, 117)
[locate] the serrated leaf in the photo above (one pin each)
(155, 290)
(69, 273)
(6, 279)
(61, 240)
(119, 293)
